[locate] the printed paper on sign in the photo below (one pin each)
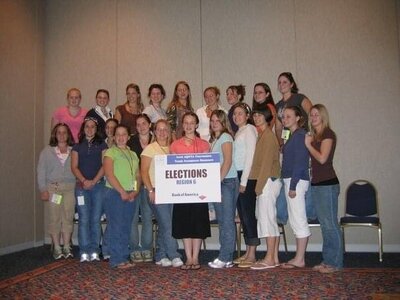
(188, 178)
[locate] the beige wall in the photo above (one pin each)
(342, 53)
(21, 117)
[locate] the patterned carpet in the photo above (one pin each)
(72, 280)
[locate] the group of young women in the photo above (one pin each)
(109, 163)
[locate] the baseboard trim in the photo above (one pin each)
(20, 247)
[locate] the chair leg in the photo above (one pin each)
(283, 233)
(344, 245)
(155, 231)
(380, 243)
(204, 245)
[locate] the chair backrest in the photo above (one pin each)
(361, 199)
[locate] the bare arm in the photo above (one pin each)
(322, 155)
(306, 105)
(117, 115)
(227, 155)
(274, 117)
(144, 171)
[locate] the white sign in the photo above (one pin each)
(187, 178)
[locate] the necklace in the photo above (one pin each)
(159, 111)
(144, 141)
(74, 111)
(132, 109)
(161, 147)
(214, 142)
(191, 142)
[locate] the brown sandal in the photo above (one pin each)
(186, 267)
(195, 267)
(125, 265)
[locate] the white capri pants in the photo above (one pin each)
(267, 225)
(297, 208)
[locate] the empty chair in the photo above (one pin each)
(362, 209)
(313, 223)
(239, 237)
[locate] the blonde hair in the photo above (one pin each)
(74, 90)
(169, 140)
(323, 112)
(223, 119)
(139, 102)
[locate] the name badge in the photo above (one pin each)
(81, 200)
(285, 134)
(56, 198)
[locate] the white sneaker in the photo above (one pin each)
(177, 262)
(219, 264)
(164, 262)
(84, 257)
(106, 257)
(94, 257)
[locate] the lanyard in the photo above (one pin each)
(162, 148)
(129, 159)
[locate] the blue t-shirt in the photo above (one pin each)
(295, 158)
(89, 157)
(217, 147)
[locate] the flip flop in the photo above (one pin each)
(195, 267)
(291, 266)
(186, 267)
(261, 266)
(125, 265)
(239, 260)
(245, 264)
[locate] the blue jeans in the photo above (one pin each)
(119, 219)
(225, 212)
(167, 246)
(90, 210)
(146, 216)
(326, 205)
(281, 207)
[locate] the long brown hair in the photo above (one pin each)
(175, 99)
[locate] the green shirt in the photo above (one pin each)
(126, 164)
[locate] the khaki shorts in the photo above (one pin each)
(61, 216)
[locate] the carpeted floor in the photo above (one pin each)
(69, 279)
(30, 259)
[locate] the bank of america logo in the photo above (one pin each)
(202, 197)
